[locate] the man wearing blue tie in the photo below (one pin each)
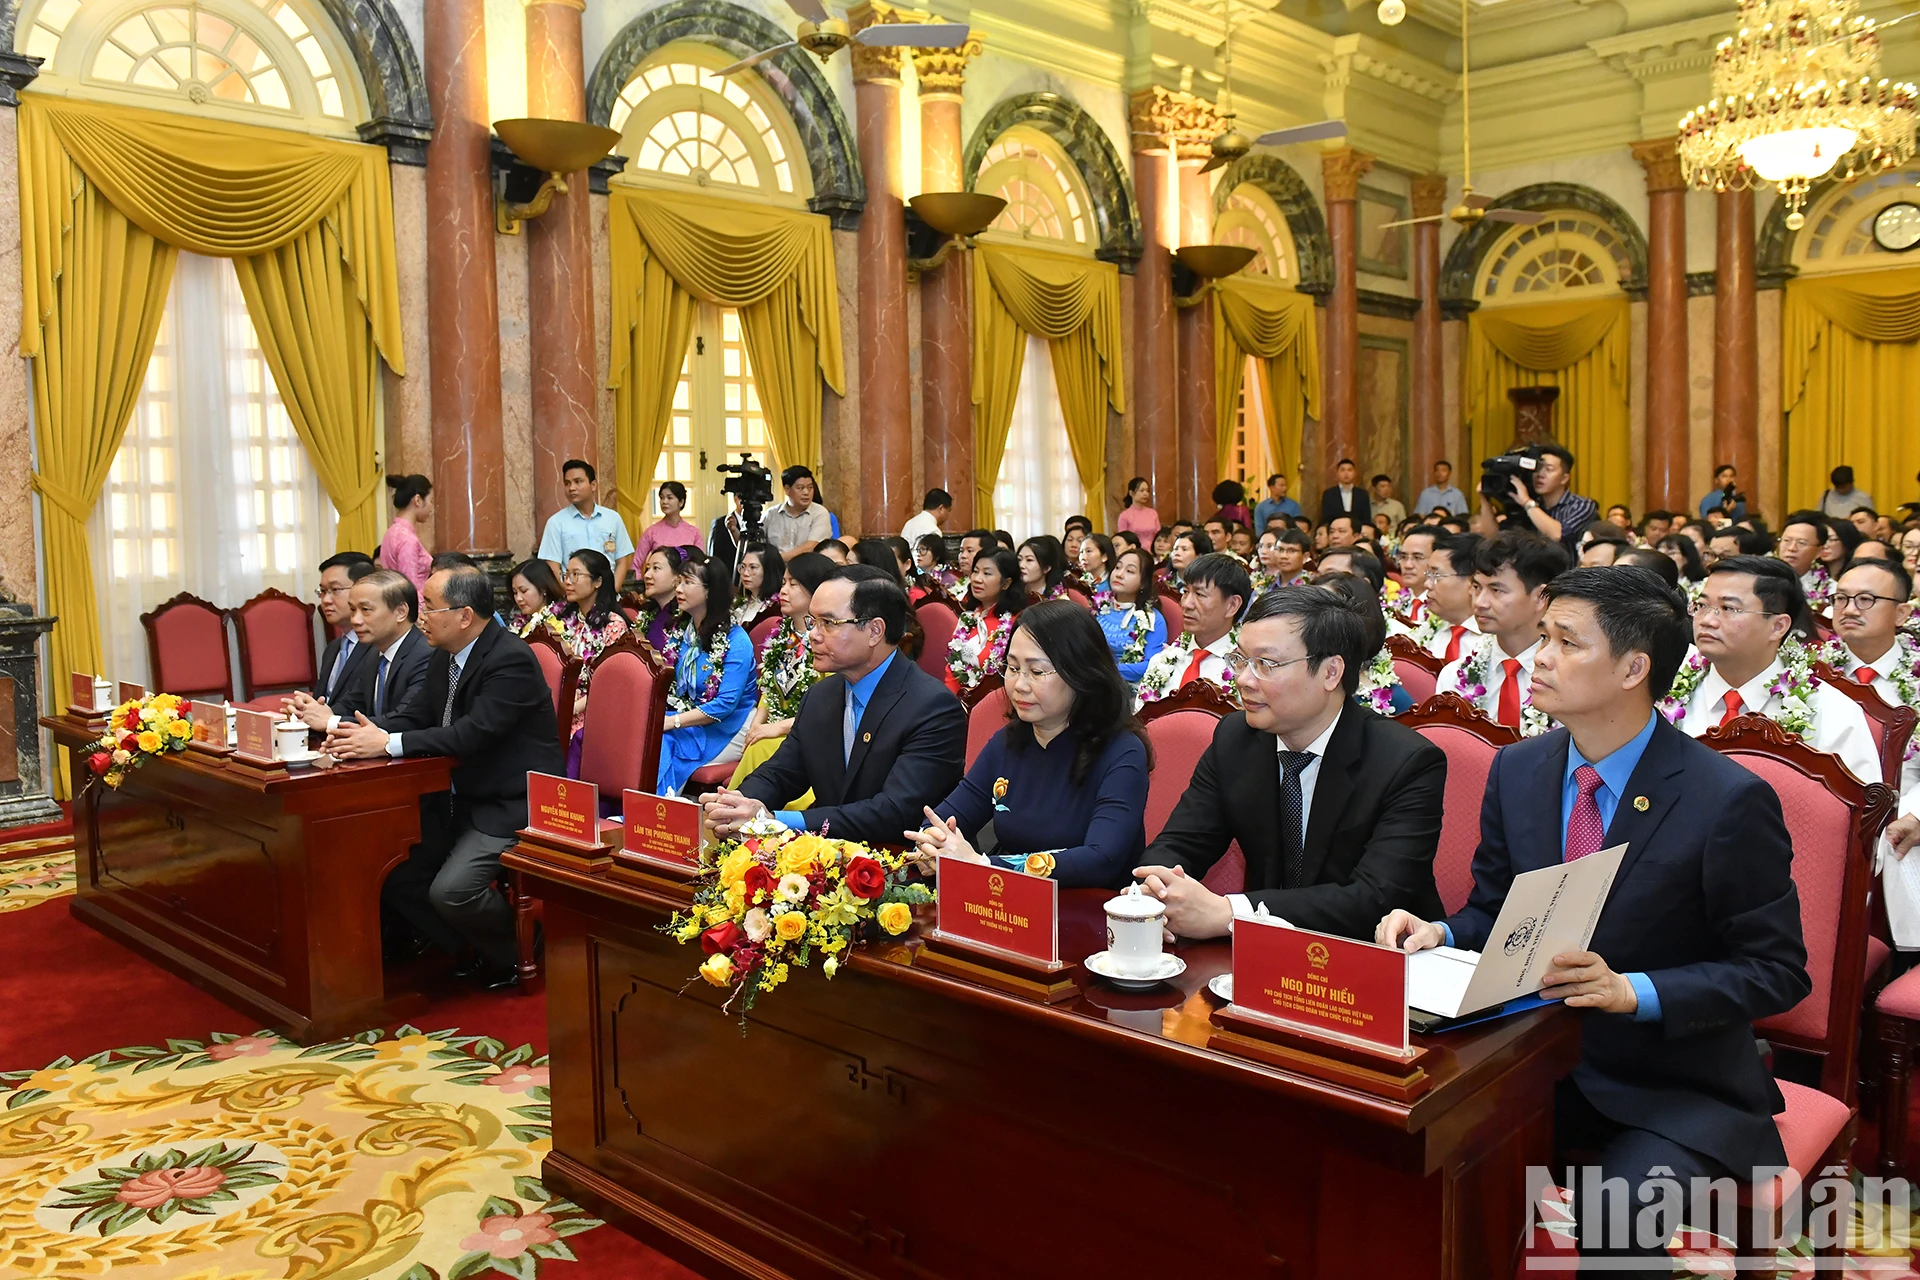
(388, 685)
(1699, 936)
(338, 573)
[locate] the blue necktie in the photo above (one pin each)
(380, 688)
(340, 663)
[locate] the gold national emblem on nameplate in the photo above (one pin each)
(1642, 803)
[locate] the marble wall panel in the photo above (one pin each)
(603, 350)
(1700, 459)
(840, 415)
(516, 390)
(408, 401)
(1772, 416)
(1637, 407)
(17, 557)
(1453, 364)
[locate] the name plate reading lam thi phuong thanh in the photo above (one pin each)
(660, 830)
(990, 908)
(563, 809)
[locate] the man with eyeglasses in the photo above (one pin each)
(338, 573)
(1801, 539)
(1337, 809)
(1510, 577)
(1748, 609)
(1415, 548)
(876, 742)
(1449, 629)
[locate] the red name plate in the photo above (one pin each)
(1315, 982)
(209, 722)
(83, 693)
(127, 691)
(1006, 910)
(254, 735)
(659, 827)
(564, 808)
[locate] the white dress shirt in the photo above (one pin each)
(1213, 667)
(1242, 906)
(919, 527)
(1839, 727)
(1489, 702)
(386, 656)
(1469, 640)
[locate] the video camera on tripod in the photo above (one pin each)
(752, 484)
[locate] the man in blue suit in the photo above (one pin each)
(1699, 937)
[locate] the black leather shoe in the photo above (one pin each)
(502, 980)
(473, 967)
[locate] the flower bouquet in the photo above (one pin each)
(150, 726)
(776, 897)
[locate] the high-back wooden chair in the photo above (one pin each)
(563, 678)
(1892, 726)
(276, 644)
(1417, 670)
(625, 719)
(1176, 616)
(1470, 739)
(187, 648)
(986, 705)
(1179, 729)
(939, 618)
(761, 632)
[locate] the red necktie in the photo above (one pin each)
(1192, 672)
(1584, 832)
(1453, 645)
(1509, 712)
(1734, 705)
(1866, 675)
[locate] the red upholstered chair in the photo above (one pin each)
(276, 643)
(1080, 597)
(626, 718)
(187, 650)
(1175, 616)
(1892, 726)
(1417, 670)
(563, 677)
(762, 631)
(1471, 739)
(987, 707)
(938, 618)
(1179, 728)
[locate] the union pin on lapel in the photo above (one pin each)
(866, 737)
(1642, 803)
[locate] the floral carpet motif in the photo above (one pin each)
(414, 1157)
(35, 872)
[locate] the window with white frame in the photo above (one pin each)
(1038, 486)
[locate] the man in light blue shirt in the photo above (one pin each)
(585, 523)
(1275, 504)
(1443, 492)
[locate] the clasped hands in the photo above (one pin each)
(1580, 978)
(309, 710)
(939, 840)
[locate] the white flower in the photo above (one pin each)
(831, 967)
(757, 925)
(793, 887)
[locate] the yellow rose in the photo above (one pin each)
(894, 917)
(790, 926)
(800, 855)
(180, 730)
(147, 740)
(718, 969)
(734, 867)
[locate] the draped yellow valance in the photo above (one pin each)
(108, 195)
(1849, 376)
(1072, 302)
(1582, 347)
(1275, 324)
(775, 266)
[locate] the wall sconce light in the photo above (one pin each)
(553, 147)
(955, 217)
(1200, 265)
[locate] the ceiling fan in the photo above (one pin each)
(1473, 208)
(824, 35)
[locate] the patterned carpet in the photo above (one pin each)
(35, 871)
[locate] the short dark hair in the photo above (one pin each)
(1559, 451)
(936, 498)
(1352, 523)
(1723, 467)
(1695, 569)
(1814, 519)
(773, 568)
(1330, 627)
(674, 487)
(347, 560)
(1104, 545)
(1275, 476)
(468, 588)
(1444, 463)
(1534, 559)
(876, 594)
(1361, 562)
(1296, 538)
(1102, 700)
(1229, 493)
(1621, 506)
(1871, 513)
(1344, 462)
(1842, 475)
(1382, 476)
(1013, 596)
(396, 591)
(580, 464)
(1647, 558)
(1657, 514)
(1222, 572)
(984, 537)
(1893, 568)
(607, 595)
(1201, 542)
(1752, 542)
(794, 475)
(1775, 584)
(1604, 531)
(1365, 603)
(1050, 555)
(845, 550)
(935, 546)
(878, 553)
(1462, 550)
(1079, 522)
(1638, 613)
(1422, 531)
(407, 488)
(452, 560)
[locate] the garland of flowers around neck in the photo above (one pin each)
(1904, 674)
(1428, 629)
(1822, 589)
(1472, 683)
(786, 658)
(1102, 596)
(716, 666)
(1378, 682)
(1156, 681)
(1793, 686)
(972, 654)
(1139, 627)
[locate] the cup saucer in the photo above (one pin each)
(1171, 966)
(304, 757)
(1221, 984)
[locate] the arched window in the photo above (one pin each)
(238, 58)
(1839, 230)
(1252, 219)
(1046, 196)
(682, 122)
(1570, 253)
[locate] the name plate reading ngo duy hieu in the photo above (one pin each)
(662, 831)
(987, 907)
(1320, 984)
(563, 809)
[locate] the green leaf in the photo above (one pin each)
(166, 1209)
(150, 1160)
(124, 1216)
(488, 1047)
(221, 1037)
(470, 1265)
(154, 1064)
(517, 1057)
(529, 1189)
(62, 1061)
(185, 1046)
(98, 1059)
(143, 1051)
(529, 1133)
(246, 1181)
(26, 1097)
(372, 1035)
(114, 1175)
(574, 1226)
(405, 1029)
(533, 1112)
(419, 1271)
(524, 1267)
(495, 1207)
(555, 1249)
(94, 1217)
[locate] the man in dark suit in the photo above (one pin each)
(389, 684)
(486, 703)
(1342, 826)
(876, 741)
(338, 573)
(1699, 936)
(1346, 498)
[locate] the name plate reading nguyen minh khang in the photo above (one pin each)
(660, 830)
(563, 809)
(1324, 985)
(987, 907)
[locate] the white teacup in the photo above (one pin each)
(233, 725)
(102, 695)
(289, 739)
(1134, 922)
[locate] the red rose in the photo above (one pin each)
(866, 878)
(99, 762)
(722, 937)
(756, 879)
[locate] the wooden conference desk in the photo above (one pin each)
(261, 886)
(895, 1122)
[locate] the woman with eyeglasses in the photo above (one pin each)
(1128, 612)
(761, 573)
(712, 693)
(1064, 784)
(786, 671)
(993, 601)
(588, 621)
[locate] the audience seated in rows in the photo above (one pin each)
(786, 669)
(1128, 611)
(1510, 575)
(386, 687)
(713, 677)
(1214, 595)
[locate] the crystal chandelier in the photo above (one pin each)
(1794, 97)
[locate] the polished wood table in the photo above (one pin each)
(897, 1122)
(261, 886)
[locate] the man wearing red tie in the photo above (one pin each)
(1870, 606)
(1699, 936)
(1510, 577)
(1215, 594)
(1415, 549)
(1449, 630)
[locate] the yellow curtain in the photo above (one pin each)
(107, 194)
(1850, 368)
(1072, 302)
(775, 266)
(1583, 348)
(1274, 324)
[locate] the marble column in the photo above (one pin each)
(1667, 418)
(887, 499)
(1159, 118)
(1196, 459)
(469, 468)
(1340, 382)
(19, 569)
(946, 354)
(1427, 412)
(1736, 340)
(559, 269)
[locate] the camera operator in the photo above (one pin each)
(1724, 497)
(1552, 509)
(797, 524)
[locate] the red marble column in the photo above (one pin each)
(1155, 414)
(463, 325)
(946, 352)
(1736, 340)
(887, 499)
(1196, 458)
(1667, 410)
(559, 269)
(1429, 443)
(1340, 382)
